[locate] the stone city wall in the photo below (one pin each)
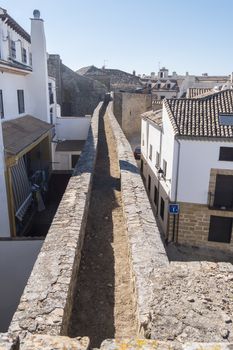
(146, 250)
(46, 303)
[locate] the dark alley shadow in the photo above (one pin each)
(93, 305)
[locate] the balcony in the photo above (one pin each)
(219, 202)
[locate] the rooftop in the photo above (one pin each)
(154, 116)
(200, 116)
(195, 92)
(21, 132)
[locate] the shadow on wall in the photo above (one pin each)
(125, 165)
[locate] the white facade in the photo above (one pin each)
(23, 68)
(197, 158)
(72, 128)
(188, 165)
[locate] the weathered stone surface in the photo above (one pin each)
(146, 250)
(8, 342)
(46, 303)
(144, 344)
(193, 302)
(48, 342)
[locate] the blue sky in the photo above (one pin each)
(183, 35)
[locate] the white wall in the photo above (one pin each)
(4, 43)
(4, 217)
(38, 79)
(16, 262)
(9, 84)
(63, 160)
(72, 128)
(196, 160)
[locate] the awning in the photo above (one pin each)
(21, 189)
(19, 133)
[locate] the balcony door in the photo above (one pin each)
(223, 197)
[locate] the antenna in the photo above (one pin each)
(104, 66)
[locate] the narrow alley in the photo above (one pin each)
(103, 305)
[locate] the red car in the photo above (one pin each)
(137, 152)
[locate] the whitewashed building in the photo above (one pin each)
(28, 109)
(187, 159)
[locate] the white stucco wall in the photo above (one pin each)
(196, 160)
(72, 128)
(9, 84)
(7, 34)
(38, 79)
(16, 262)
(4, 217)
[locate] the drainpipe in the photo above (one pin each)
(176, 191)
(160, 149)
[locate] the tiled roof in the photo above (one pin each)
(154, 116)
(195, 92)
(22, 132)
(200, 116)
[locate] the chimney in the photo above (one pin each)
(39, 76)
(134, 72)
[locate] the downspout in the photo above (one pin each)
(160, 150)
(176, 191)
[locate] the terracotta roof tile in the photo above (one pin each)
(200, 116)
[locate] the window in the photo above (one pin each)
(158, 86)
(1, 106)
(21, 107)
(226, 153)
(220, 229)
(51, 115)
(51, 99)
(223, 197)
(150, 153)
(149, 183)
(157, 160)
(162, 97)
(155, 195)
(12, 49)
(168, 86)
(30, 58)
(225, 119)
(24, 55)
(162, 208)
(164, 168)
(74, 160)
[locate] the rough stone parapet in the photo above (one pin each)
(193, 302)
(144, 344)
(9, 342)
(146, 250)
(48, 342)
(46, 303)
